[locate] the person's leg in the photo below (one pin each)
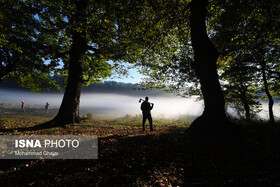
(151, 122)
(144, 121)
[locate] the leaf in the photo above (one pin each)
(170, 178)
(32, 183)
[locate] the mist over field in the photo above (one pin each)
(119, 105)
(106, 104)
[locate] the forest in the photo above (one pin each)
(104, 86)
(225, 53)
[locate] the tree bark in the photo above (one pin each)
(270, 99)
(69, 109)
(205, 55)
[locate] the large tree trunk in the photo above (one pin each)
(69, 109)
(270, 99)
(206, 54)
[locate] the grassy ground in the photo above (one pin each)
(164, 157)
(127, 156)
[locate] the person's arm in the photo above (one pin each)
(151, 106)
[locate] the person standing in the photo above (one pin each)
(22, 106)
(146, 108)
(47, 107)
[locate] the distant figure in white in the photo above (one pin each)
(47, 107)
(146, 108)
(22, 106)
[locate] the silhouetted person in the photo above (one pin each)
(23, 105)
(47, 107)
(146, 108)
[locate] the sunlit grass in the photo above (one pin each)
(90, 124)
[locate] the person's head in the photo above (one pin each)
(146, 98)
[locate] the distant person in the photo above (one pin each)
(47, 107)
(22, 106)
(146, 108)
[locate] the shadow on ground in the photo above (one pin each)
(123, 161)
(161, 160)
(42, 126)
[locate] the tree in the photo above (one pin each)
(234, 30)
(85, 39)
(240, 85)
(86, 34)
(205, 57)
(252, 30)
(22, 54)
(175, 75)
(267, 81)
(205, 54)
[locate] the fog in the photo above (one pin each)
(114, 105)
(119, 105)
(106, 104)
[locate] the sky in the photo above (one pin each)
(134, 77)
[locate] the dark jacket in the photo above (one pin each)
(146, 107)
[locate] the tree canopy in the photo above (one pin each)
(165, 39)
(22, 52)
(245, 33)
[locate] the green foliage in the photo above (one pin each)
(248, 43)
(60, 23)
(245, 32)
(107, 27)
(152, 35)
(161, 50)
(22, 52)
(240, 83)
(39, 35)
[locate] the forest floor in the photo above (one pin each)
(165, 157)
